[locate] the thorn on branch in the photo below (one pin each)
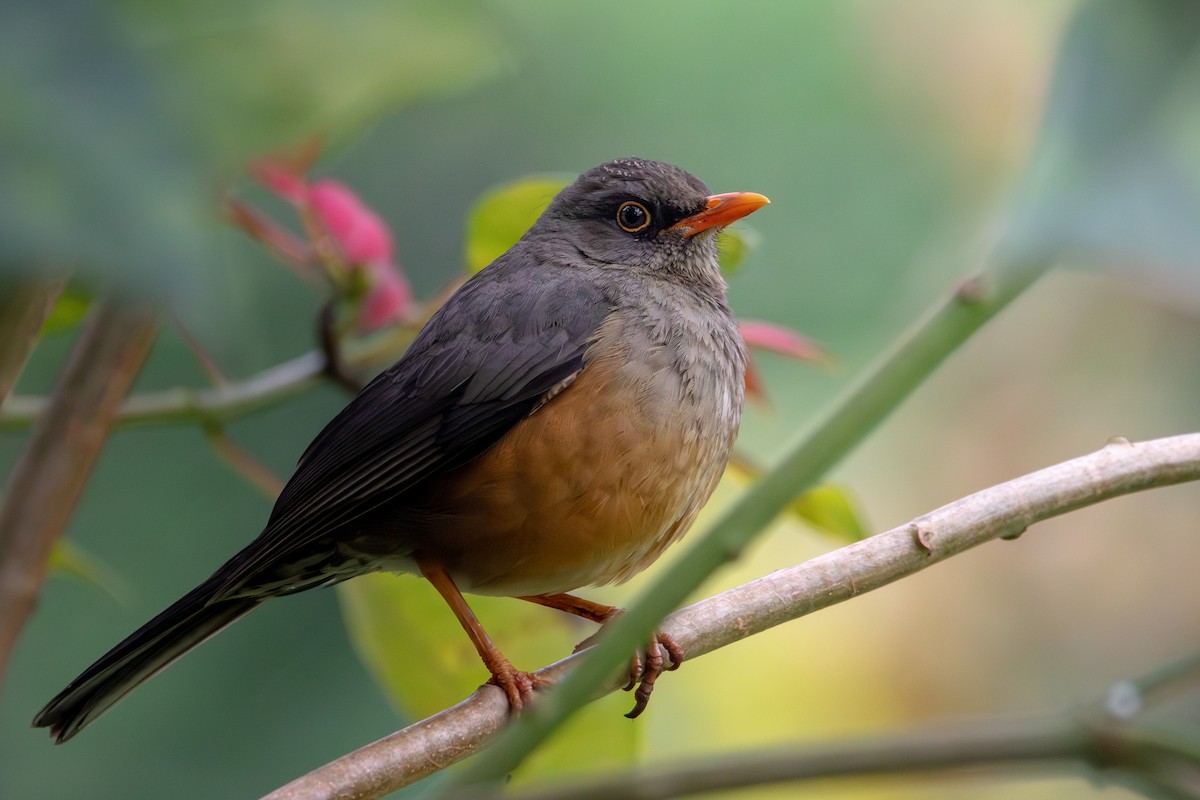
(1012, 535)
(972, 291)
(922, 533)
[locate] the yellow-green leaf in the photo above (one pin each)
(733, 245)
(831, 509)
(68, 558)
(503, 214)
(69, 309)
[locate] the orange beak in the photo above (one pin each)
(719, 211)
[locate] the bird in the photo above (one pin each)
(556, 424)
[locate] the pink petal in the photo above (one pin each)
(284, 171)
(360, 233)
(280, 241)
(777, 339)
(388, 300)
(281, 178)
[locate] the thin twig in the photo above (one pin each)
(238, 398)
(1001, 511)
(286, 246)
(49, 478)
(244, 463)
(206, 361)
(1045, 741)
(330, 339)
(205, 406)
(1060, 741)
(230, 400)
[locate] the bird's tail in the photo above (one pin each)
(188, 622)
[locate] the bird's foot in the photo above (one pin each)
(518, 686)
(644, 676)
(663, 654)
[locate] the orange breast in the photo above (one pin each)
(595, 484)
(586, 490)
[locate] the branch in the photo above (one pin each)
(1037, 740)
(48, 479)
(1002, 511)
(22, 313)
(206, 406)
(1059, 740)
(227, 401)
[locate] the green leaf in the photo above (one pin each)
(410, 642)
(831, 509)
(69, 310)
(503, 214)
(733, 245)
(69, 559)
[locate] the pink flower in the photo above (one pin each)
(281, 178)
(360, 234)
(387, 301)
(363, 240)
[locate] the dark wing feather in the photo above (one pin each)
(485, 361)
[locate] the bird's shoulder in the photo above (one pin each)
(507, 337)
(517, 315)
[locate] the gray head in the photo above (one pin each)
(644, 215)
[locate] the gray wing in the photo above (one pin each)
(483, 363)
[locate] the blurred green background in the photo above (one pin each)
(888, 136)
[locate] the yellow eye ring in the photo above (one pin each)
(633, 217)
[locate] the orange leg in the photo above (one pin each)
(641, 677)
(517, 685)
(595, 612)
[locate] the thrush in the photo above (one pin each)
(558, 423)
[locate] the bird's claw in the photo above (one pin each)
(518, 686)
(643, 677)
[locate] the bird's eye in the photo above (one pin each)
(633, 217)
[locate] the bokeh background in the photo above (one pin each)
(889, 136)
